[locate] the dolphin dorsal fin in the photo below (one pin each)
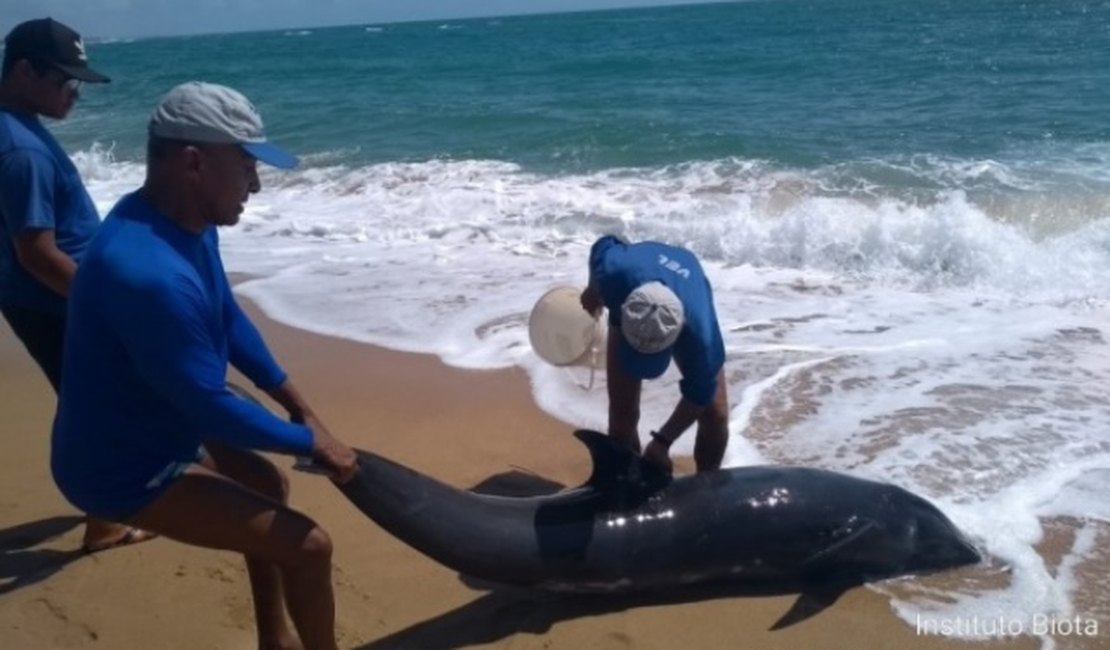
(612, 462)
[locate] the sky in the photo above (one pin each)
(138, 18)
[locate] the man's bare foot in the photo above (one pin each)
(102, 535)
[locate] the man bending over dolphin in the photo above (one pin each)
(660, 306)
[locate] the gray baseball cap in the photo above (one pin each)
(203, 112)
(652, 318)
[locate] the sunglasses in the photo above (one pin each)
(72, 84)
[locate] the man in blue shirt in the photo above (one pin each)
(660, 307)
(147, 431)
(47, 216)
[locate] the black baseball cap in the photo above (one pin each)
(48, 41)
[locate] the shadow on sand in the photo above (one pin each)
(21, 564)
(505, 611)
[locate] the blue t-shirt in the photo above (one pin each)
(618, 268)
(151, 330)
(40, 189)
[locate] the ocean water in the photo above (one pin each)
(904, 208)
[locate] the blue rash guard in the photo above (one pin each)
(152, 328)
(40, 189)
(618, 268)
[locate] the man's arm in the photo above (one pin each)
(700, 357)
(27, 203)
(658, 448)
(37, 251)
(249, 354)
(592, 298)
(685, 414)
(165, 326)
(292, 401)
(328, 452)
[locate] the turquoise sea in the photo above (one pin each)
(794, 82)
(904, 208)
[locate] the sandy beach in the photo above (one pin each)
(462, 427)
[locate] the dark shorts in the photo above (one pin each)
(43, 334)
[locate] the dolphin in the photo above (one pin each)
(628, 529)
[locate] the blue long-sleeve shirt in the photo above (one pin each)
(152, 328)
(618, 268)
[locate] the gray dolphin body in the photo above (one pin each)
(618, 532)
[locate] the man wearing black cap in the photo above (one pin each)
(46, 216)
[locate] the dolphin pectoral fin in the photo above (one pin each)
(847, 539)
(827, 565)
(810, 602)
